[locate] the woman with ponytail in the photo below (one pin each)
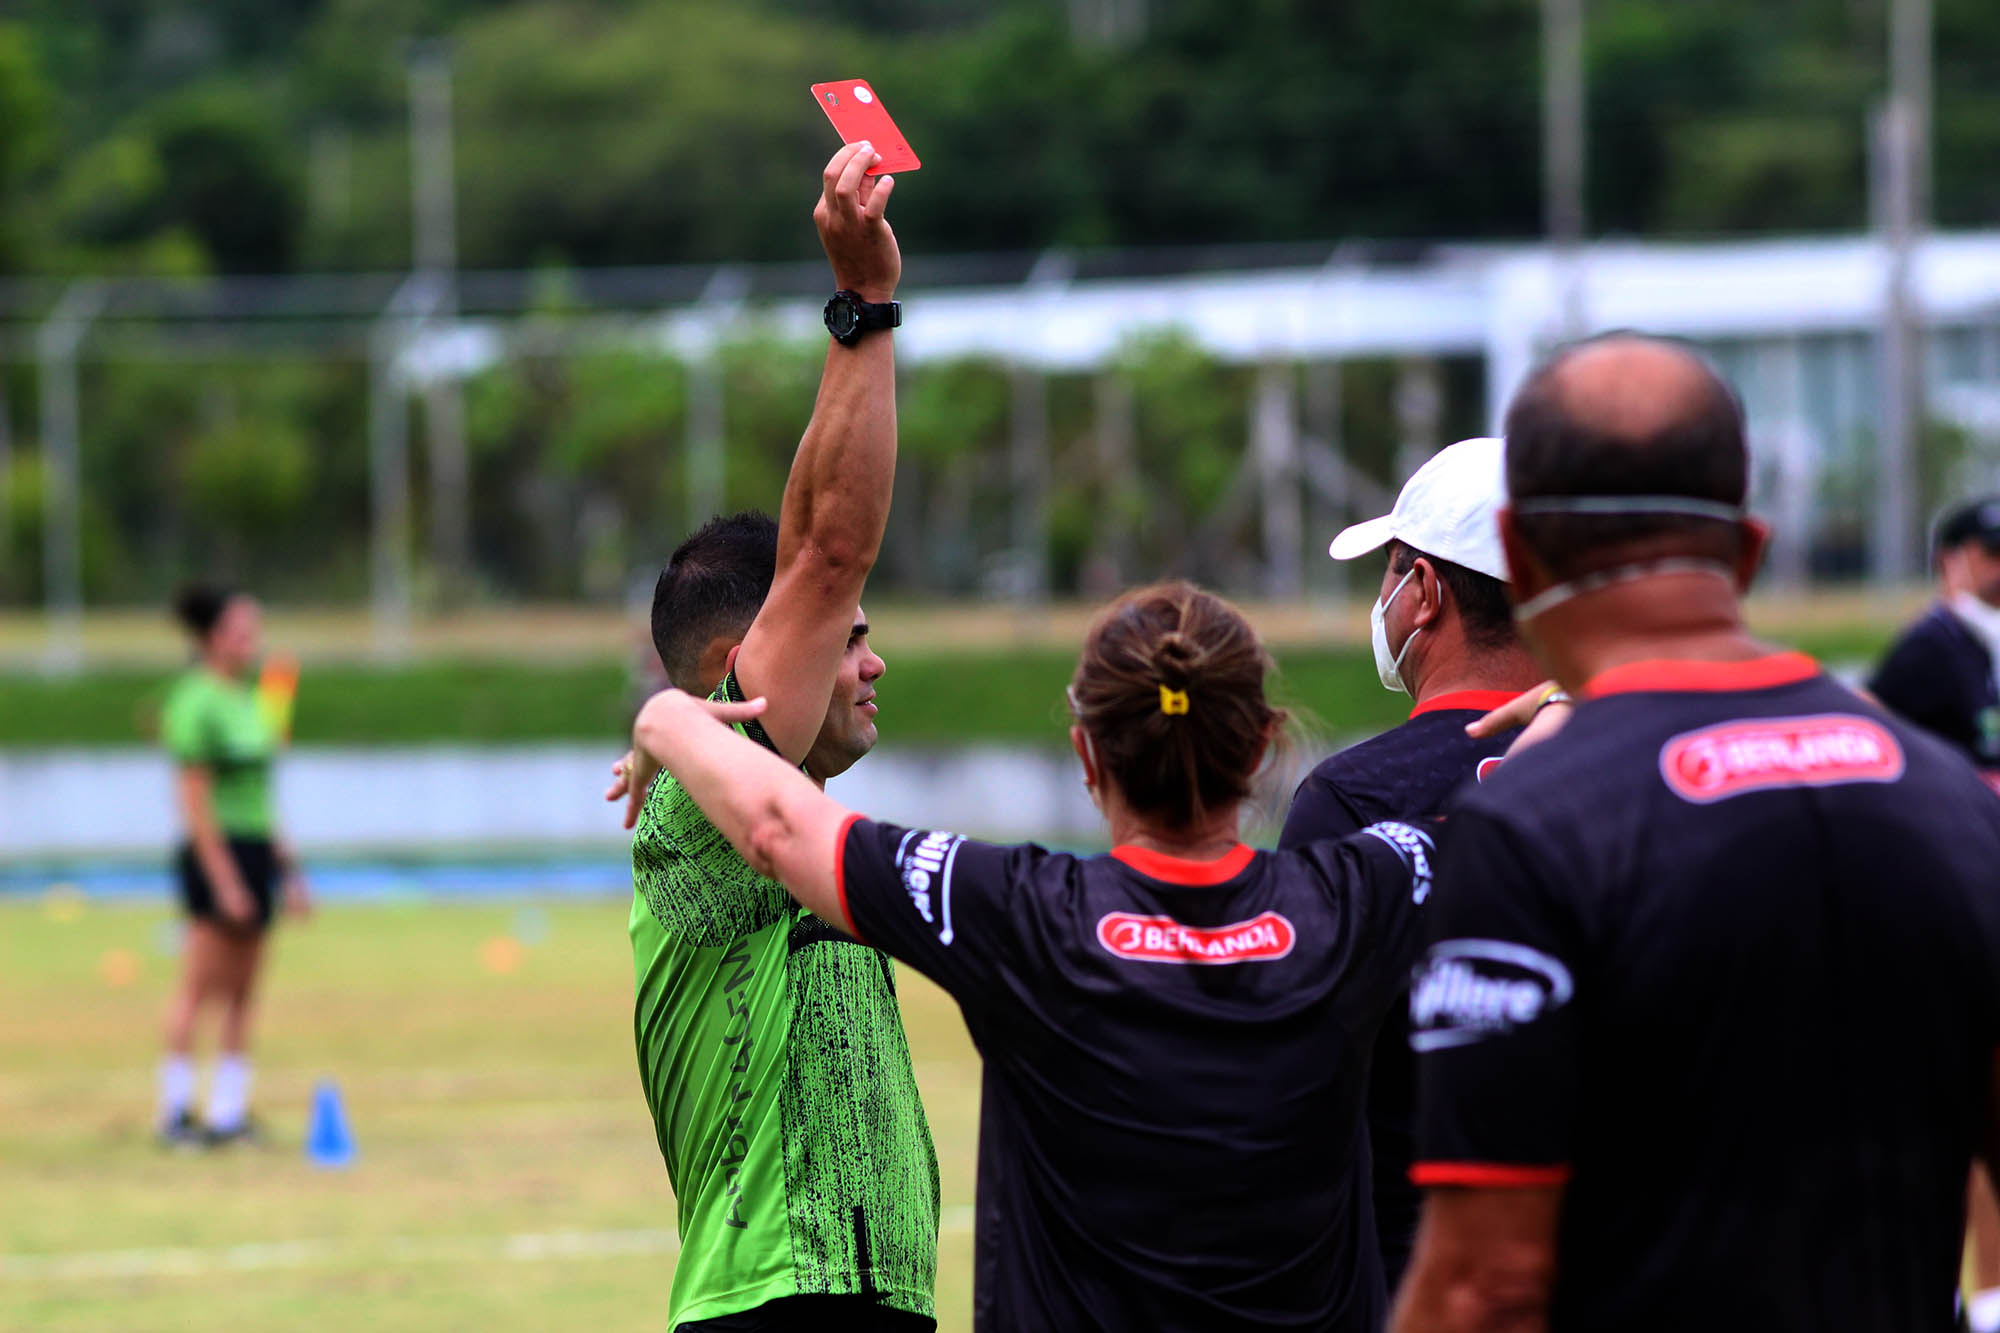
(1175, 1033)
(222, 734)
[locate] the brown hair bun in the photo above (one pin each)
(1175, 758)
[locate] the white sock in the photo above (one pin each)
(229, 1093)
(176, 1087)
(1983, 1312)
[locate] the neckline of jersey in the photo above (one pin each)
(1756, 673)
(1180, 870)
(1481, 701)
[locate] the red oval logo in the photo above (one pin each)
(1161, 939)
(1732, 758)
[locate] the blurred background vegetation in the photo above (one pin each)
(204, 137)
(257, 136)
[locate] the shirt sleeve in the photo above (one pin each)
(963, 913)
(1320, 810)
(1493, 1017)
(1392, 865)
(1912, 683)
(694, 882)
(184, 726)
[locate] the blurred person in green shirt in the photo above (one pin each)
(223, 732)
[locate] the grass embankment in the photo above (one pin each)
(490, 1109)
(926, 699)
(933, 695)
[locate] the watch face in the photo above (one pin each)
(841, 317)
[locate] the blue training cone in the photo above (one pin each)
(328, 1143)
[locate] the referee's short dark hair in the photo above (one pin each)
(1481, 599)
(712, 587)
(1669, 426)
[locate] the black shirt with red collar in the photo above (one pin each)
(1170, 1048)
(1722, 959)
(1409, 772)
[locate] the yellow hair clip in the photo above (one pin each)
(1173, 702)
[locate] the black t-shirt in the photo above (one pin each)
(1724, 957)
(1169, 1048)
(1409, 772)
(1940, 677)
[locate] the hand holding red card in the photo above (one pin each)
(859, 242)
(855, 110)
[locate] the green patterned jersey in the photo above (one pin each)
(773, 1058)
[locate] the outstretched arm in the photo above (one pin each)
(781, 822)
(837, 498)
(1485, 1262)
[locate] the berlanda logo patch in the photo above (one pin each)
(1756, 754)
(1161, 939)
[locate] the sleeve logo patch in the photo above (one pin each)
(1161, 939)
(1732, 758)
(925, 864)
(1416, 848)
(1472, 989)
(1488, 767)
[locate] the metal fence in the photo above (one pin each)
(1325, 374)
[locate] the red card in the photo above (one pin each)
(858, 114)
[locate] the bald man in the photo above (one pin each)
(1706, 1031)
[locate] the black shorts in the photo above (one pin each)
(256, 861)
(815, 1314)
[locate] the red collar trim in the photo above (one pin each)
(1480, 701)
(1180, 870)
(1758, 673)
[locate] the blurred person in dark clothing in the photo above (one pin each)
(1443, 633)
(1940, 674)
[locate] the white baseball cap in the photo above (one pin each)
(1448, 509)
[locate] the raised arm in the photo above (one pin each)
(837, 498)
(781, 822)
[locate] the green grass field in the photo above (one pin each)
(507, 1176)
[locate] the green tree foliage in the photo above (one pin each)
(24, 138)
(577, 455)
(642, 131)
(952, 429)
(233, 136)
(246, 480)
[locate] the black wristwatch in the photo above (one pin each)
(848, 317)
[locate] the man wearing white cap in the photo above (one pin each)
(1443, 632)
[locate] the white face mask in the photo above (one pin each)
(1983, 619)
(1389, 665)
(1681, 505)
(1557, 593)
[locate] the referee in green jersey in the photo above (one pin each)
(770, 1045)
(222, 735)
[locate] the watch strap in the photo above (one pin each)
(868, 315)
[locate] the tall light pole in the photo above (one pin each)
(434, 230)
(1902, 135)
(1563, 157)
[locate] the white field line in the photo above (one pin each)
(520, 1248)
